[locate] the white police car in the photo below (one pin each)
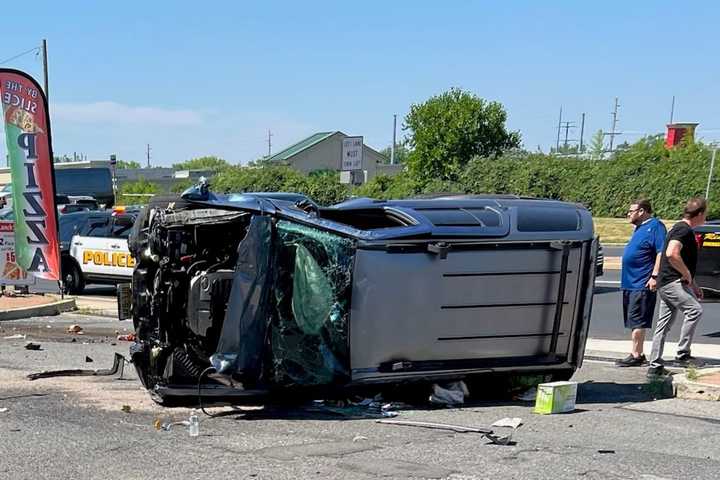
(94, 248)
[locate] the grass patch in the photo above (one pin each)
(617, 230)
(691, 373)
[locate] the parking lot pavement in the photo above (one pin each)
(75, 428)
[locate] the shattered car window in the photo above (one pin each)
(312, 306)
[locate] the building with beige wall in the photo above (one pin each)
(323, 151)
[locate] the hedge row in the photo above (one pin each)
(646, 169)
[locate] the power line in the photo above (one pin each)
(34, 49)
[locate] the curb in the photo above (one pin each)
(95, 312)
(47, 309)
(695, 389)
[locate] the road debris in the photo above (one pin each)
(32, 346)
(130, 337)
(75, 328)
(3, 410)
(18, 336)
(88, 359)
(359, 438)
(487, 433)
(513, 422)
(452, 393)
(528, 396)
(126, 408)
(117, 367)
(606, 451)
(556, 397)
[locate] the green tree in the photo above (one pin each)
(215, 164)
(138, 192)
(401, 153)
(597, 145)
(448, 130)
(125, 164)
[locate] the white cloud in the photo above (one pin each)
(113, 113)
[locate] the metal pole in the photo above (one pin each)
(710, 173)
(614, 123)
(45, 71)
(672, 109)
(392, 149)
(557, 145)
(582, 132)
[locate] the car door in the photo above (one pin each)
(90, 246)
(121, 263)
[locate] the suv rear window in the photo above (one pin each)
(544, 219)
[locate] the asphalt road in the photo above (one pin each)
(74, 427)
(607, 322)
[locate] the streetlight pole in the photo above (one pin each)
(710, 173)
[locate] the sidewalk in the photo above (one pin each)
(616, 349)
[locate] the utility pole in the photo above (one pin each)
(148, 155)
(710, 173)
(45, 71)
(392, 148)
(557, 145)
(614, 123)
(269, 143)
(567, 126)
(672, 109)
(582, 133)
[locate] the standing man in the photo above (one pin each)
(640, 266)
(676, 286)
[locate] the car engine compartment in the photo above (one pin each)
(255, 301)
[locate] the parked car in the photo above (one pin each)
(707, 275)
(271, 295)
(93, 247)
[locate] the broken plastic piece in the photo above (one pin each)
(513, 422)
(32, 346)
(18, 336)
(452, 393)
(496, 439)
(73, 328)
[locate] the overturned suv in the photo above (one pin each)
(238, 297)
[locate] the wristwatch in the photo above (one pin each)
(654, 277)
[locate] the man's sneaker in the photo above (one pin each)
(686, 359)
(655, 372)
(631, 361)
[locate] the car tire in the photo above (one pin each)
(73, 280)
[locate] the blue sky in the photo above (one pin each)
(198, 79)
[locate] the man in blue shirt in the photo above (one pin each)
(640, 266)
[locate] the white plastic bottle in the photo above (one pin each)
(194, 428)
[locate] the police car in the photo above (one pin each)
(94, 248)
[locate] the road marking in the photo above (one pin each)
(607, 282)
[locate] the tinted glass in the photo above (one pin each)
(70, 225)
(98, 227)
(460, 217)
(543, 219)
(121, 228)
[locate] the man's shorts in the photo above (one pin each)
(639, 308)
